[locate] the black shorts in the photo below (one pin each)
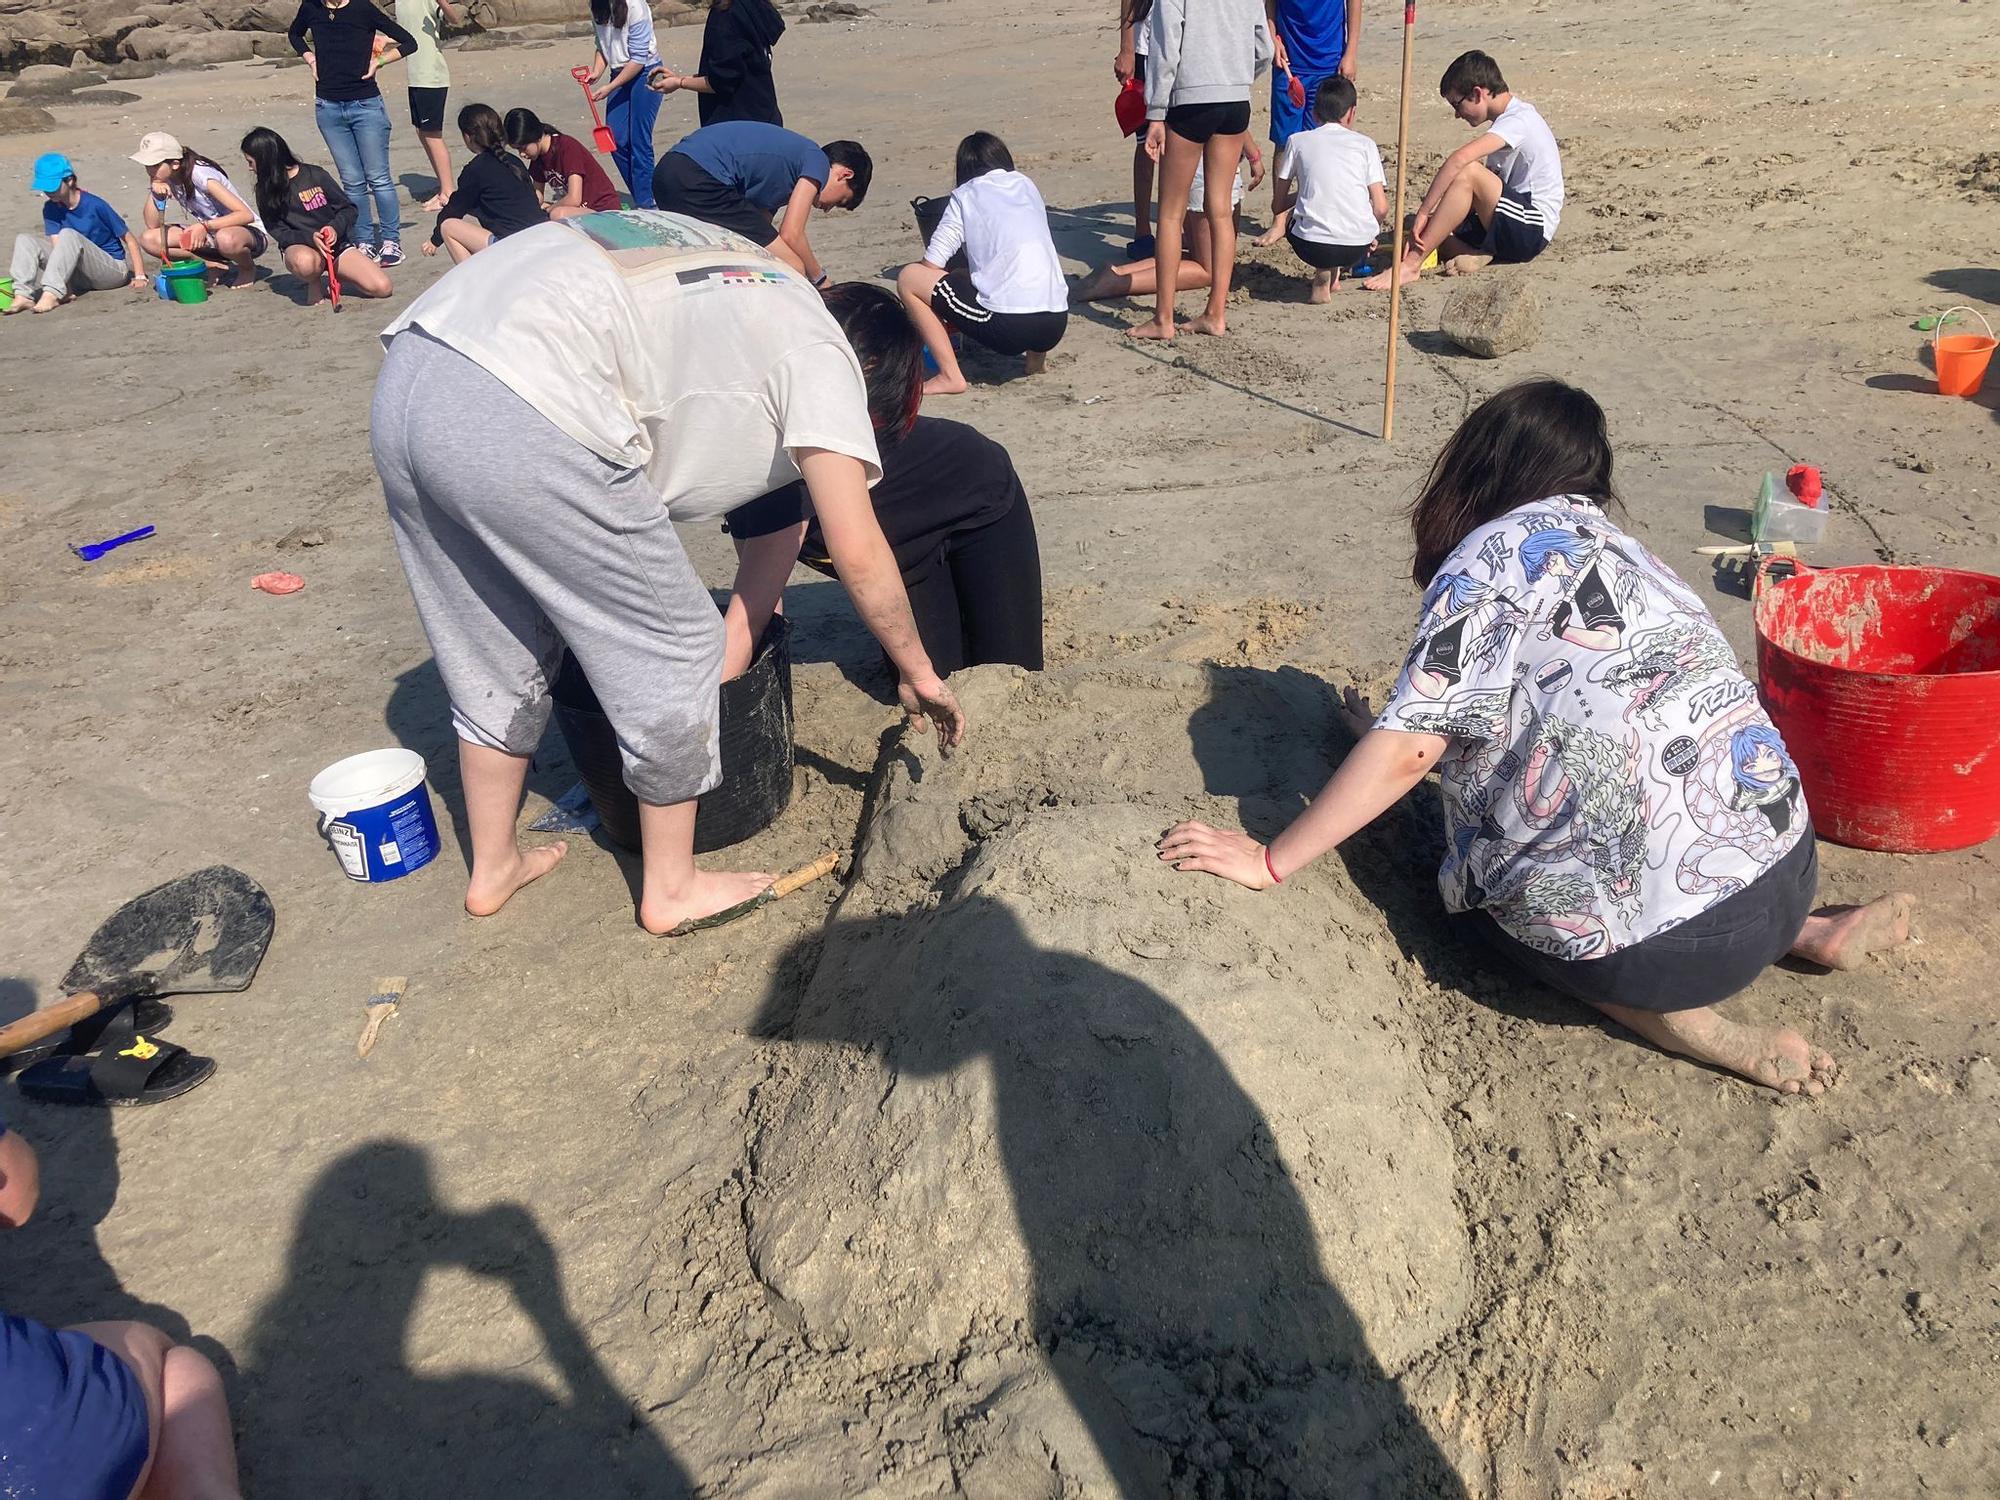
(1703, 961)
(1517, 235)
(1197, 122)
(682, 187)
(427, 109)
(1327, 257)
(956, 300)
(1139, 72)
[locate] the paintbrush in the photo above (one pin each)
(381, 1005)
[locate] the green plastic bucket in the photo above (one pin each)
(187, 281)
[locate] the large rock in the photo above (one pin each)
(37, 36)
(24, 119)
(1492, 314)
(51, 83)
(44, 73)
(100, 97)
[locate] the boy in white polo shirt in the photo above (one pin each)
(1495, 198)
(1330, 180)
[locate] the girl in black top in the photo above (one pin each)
(349, 111)
(300, 203)
(733, 79)
(494, 187)
(950, 505)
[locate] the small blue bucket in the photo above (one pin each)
(375, 812)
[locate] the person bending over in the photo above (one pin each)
(83, 247)
(949, 503)
(1012, 297)
(109, 1411)
(534, 501)
(1496, 198)
(737, 175)
(311, 219)
(494, 189)
(1332, 190)
(562, 166)
(221, 228)
(1622, 822)
(1141, 278)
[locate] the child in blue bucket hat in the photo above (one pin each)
(83, 247)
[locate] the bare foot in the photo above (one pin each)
(1103, 282)
(49, 301)
(19, 305)
(710, 892)
(1321, 293)
(1465, 265)
(1840, 937)
(1153, 329)
(432, 204)
(1036, 362)
(944, 385)
(1272, 236)
(243, 279)
(1775, 1056)
(1213, 324)
(491, 890)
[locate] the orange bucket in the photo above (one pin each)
(1961, 358)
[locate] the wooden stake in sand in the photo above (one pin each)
(1396, 260)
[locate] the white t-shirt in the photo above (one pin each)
(1198, 189)
(660, 343)
(1003, 225)
(632, 42)
(202, 204)
(1529, 162)
(1332, 168)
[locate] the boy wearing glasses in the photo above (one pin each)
(1496, 198)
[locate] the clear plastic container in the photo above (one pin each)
(1777, 517)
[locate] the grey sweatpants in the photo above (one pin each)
(68, 263)
(516, 538)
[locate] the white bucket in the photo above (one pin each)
(375, 812)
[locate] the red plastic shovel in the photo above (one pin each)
(1294, 90)
(323, 238)
(601, 135)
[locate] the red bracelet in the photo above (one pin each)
(1271, 869)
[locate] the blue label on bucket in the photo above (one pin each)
(386, 840)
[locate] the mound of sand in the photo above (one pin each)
(1146, 1154)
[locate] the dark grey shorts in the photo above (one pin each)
(1703, 961)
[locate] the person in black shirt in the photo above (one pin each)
(348, 107)
(494, 188)
(733, 79)
(950, 505)
(298, 202)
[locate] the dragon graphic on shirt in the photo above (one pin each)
(1666, 662)
(1586, 786)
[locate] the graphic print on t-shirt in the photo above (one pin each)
(1612, 773)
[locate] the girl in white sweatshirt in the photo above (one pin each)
(1205, 55)
(1012, 297)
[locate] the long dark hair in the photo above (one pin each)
(1528, 442)
(273, 160)
(1137, 11)
(608, 12)
(980, 153)
(890, 349)
(483, 132)
(524, 128)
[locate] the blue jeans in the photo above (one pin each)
(356, 131)
(630, 110)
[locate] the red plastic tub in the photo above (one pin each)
(1885, 683)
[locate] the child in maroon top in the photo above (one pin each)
(561, 165)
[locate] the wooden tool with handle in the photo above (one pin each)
(777, 890)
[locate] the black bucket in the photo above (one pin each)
(756, 750)
(930, 213)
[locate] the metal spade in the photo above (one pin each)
(202, 934)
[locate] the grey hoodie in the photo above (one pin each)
(1204, 52)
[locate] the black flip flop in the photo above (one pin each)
(145, 1072)
(114, 1028)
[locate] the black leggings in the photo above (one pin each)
(980, 600)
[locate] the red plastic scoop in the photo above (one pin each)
(1294, 90)
(323, 237)
(601, 135)
(1130, 107)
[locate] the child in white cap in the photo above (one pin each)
(222, 225)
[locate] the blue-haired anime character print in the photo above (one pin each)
(1466, 625)
(1763, 773)
(1597, 598)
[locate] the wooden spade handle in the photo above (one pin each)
(48, 1021)
(805, 875)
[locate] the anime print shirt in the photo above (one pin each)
(1611, 773)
